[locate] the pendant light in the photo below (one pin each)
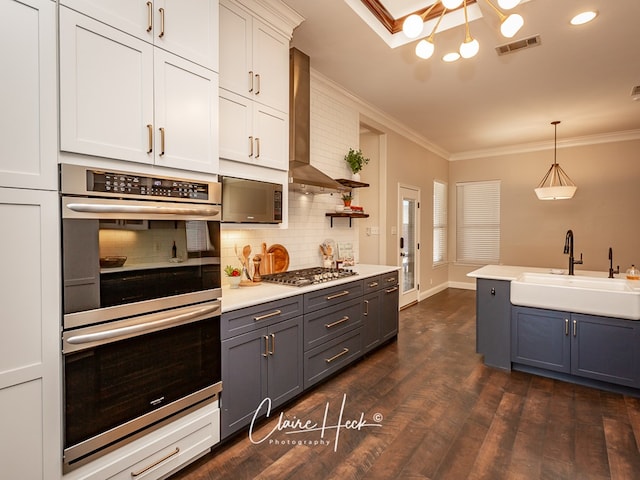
(556, 184)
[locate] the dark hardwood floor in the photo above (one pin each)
(442, 415)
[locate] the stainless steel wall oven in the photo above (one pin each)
(141, 323)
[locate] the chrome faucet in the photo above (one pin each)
(568, 248)
(611, 270)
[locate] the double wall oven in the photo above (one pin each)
(141, 323)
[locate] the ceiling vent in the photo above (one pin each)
(518, 45)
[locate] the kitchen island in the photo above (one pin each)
(571, 343)
(280, 340)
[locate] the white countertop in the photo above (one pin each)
(512, 272)
(235, 298)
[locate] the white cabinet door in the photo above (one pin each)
(254, 58)
(106, 90)
(186, 118)
(271, 67)
(271, 131)
(253, 133)
(28, 122)
(30, 407)
(188, 28)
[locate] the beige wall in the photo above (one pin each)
(602, 214)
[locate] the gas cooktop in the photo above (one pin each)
(308, 276)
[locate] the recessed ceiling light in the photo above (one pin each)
(584, 17)
(451, 57)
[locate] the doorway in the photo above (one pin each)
(409, 244)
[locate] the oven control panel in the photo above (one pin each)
(109, 182)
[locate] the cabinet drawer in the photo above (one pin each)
(258, 316)
(332, 295)
(371, 284)
(388, 279)
(330, 357)
(331, 322)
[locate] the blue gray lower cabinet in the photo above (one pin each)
(277, 349)
(588, 346)
(493, 321)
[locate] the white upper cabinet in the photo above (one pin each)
(187, 28)
(28, 128)
(123, 98)
(254, 58)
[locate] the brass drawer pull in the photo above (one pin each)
(390, 290)
(273, 344)
(366, 308)
(257, 147)
(337, 295)
(250, 146)
(337, 322)
(150, 130)
(338, 355)
(161, 141)
(267, 315)
(373, 284)
(266, 345)
(391, 279)
(146, 469)
(250, 81)
(258, 82)
(150, 16)
(161, 34)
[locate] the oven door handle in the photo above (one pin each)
(119, 333)
(142, 209)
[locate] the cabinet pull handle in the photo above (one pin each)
(374, 284)
(391, 279)
(493, 291)
(336, 356)
(273, 344)
(366, 308)
(146, 469)
(267, 315)
(341, 294)
(161, 141)
(575, 328)
(258, 82)
(266, 345)
(566, 326)
(257, 147)
(250, 81)
(337, 322)
(161, 34)
(391, 290)
(149, 16)
(150, 130)
(250, 146)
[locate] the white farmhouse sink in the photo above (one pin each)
(611, 297)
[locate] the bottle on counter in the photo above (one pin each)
(633, 273)
(174, 250)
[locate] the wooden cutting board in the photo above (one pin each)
(280, 258)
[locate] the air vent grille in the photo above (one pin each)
(518, 45)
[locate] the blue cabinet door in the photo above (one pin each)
(605, 349)
(541, 338)
(493, 319)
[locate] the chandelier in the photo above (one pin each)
(414, 24)
(556, 184)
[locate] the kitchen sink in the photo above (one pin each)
(611, 297)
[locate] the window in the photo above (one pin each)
(439, 223)
(478, 222)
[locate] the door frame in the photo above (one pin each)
(412, 296)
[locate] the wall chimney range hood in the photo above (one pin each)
(303, 177)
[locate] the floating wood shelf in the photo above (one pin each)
(346, 215)
(351, 183)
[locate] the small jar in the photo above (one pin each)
(633, 273)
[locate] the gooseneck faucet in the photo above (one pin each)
(611, 270)
(568, 248)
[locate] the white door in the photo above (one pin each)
(409, 244)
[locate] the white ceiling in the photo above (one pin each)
(582, 75)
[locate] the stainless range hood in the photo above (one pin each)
(303, 177)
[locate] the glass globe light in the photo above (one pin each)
(469, 48)
(412, 26)
(425, 48)
(451, 57)
(451, 4)
(511, 25)
(508, 4)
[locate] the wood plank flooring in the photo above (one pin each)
(442, 415)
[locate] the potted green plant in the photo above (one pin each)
(346, 199)
(356, 160)
(234, 275)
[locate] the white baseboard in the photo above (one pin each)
(443, 286)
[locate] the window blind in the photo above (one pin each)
(478, 222)
(439, 223)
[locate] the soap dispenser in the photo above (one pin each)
(633, 273)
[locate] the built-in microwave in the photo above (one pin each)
(251, 201)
